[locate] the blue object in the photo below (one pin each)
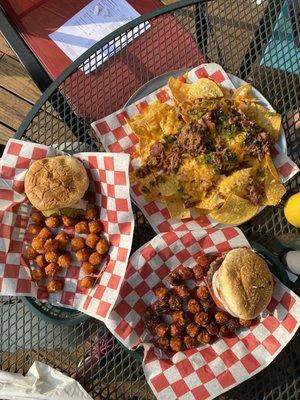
(281, 51)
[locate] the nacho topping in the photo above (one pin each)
(210, 144)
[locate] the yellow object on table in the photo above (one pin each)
(292, 210)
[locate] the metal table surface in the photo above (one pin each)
(256, 42)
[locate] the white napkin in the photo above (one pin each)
(40, 382)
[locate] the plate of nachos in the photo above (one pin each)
(206, 146)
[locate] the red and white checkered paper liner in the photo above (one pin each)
(117, 136)
(209, 370)
(109, 189)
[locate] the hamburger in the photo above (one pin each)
(240, 283)
(56, 185)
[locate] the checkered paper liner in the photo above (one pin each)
(209, 370)
(117, 136)
(109, 189)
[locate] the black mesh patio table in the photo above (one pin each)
(256, 42)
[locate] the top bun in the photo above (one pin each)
(55, 182)
(245, 283)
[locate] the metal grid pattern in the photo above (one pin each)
(235, 34)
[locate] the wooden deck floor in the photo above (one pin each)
(17, 92)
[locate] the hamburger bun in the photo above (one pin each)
(244, 283)
(55, 182)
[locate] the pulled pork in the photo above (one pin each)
(255, 191)
(191, 139)
(158, 160)
(172, 162)
(261, 145)
(154, 162)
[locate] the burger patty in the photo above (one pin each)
(214, 266)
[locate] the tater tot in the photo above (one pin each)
(37, 217)
(202, 292)
(83, 254)
(176, 330)
(37, 274)
(62, 239)
(64, 260)
(245, 322)
(163, 343)
(30, 253)
(55, 285)
(204, 337)
(91, 214)
(221, 317)
(51, 245)
(77, 243)
(45, 233)
(162, 329)
(102, 246)
(185, 272)
(87, 282)
(52, 269)
(68, 221)
(88, 268)
(207, 303)
(38, 244)
(182, 291)
(95, 258)
(52, 222)
(224, 331)
(193, 306)
(40, 261)
(51, 256)
(91, 240)
(192, 329)
(176, 343)
(161, 306)
(232, 324)
(190, 342)
(34, 229)
(203, 261)
(174, 278)
(162, 292)
(82, 227)
(202, 318)
(198, 272)
(175, 302)
(213, 328)
(178, 317)
(95, 226)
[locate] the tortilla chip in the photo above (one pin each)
(268, 120)
(236, 183)
(244, 93)
(148, 123)
(179, 89)
(170, 124)
(234, 211)
(167, 185)
(274, 190)
(211, 202)
(204, 88)
(199, 212)
(176, 207)
(271, 167)
(147, 185)
(227, 93)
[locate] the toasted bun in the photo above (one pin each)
(55, 182)
(245, 283)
